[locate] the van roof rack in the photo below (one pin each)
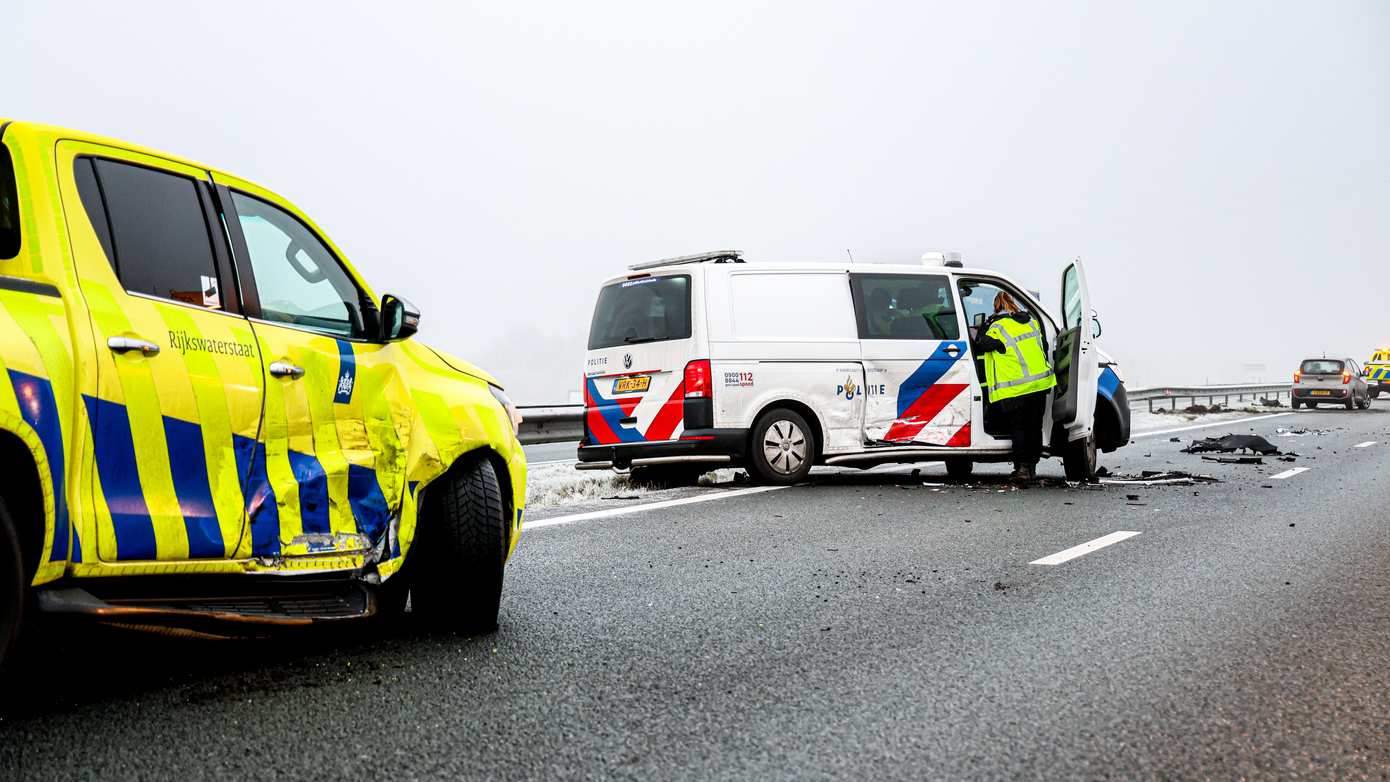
(718, 256)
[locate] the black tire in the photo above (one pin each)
(1079, 459)
(1296, 404)
(958, 469)
(1311, 405)
(460, 548)
(778, 436)
(13, 586)
(1375, 392)
(673, 476)
(1350, 404)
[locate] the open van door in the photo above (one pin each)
(1078, 374)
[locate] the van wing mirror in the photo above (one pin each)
(399, 318)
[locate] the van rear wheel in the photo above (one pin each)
(783, 447)
(958, 469)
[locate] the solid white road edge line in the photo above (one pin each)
(1233, 421)
(1289, 473)
(1084, 549)
(1366, 444)
(603, 514)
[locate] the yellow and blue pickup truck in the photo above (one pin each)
(208, 421)
(1377, 372)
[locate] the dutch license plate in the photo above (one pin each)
(1322, 393)
(627, 385)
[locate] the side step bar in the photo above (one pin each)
(213, 611)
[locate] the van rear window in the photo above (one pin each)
(1321, 366)
(9, 207)
(647, 309)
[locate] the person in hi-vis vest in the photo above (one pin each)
(1018, 378)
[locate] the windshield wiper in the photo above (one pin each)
(636, 340)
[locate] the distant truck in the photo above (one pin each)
(1377, 372)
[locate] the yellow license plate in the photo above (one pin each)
(627, 385)
(1322, 393)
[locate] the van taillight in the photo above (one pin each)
(697, 380)
(1346, 376)
(1297, 376)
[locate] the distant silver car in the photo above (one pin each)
(1331, 381)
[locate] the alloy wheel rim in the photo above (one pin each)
(784, 447)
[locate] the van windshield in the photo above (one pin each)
(647, 309)
(1321, 367)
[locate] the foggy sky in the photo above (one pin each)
(1222, 168)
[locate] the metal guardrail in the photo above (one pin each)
(551, 424)
(565, 423)
(1255, 392)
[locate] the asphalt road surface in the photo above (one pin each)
(864, 625)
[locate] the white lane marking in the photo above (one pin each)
(1366, 444)
(603, 514)
(1084, 549)
(1231, 422)
(1289, 473)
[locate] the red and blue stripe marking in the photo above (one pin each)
(921, 397)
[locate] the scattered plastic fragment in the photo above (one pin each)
(1234, 459)
(1232, 443)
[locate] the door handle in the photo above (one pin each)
(127, 344)
(286, 369)
(951, 350)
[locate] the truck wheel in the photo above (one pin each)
(459, 551)
(783, 447)
(1079, 459)
(958, 469)
(13, 589)
(1350, 404)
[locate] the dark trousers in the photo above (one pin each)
(1024, 418)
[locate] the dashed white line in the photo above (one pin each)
(1289, 473)
(1366, 444)
(1230, 422)
(1084, 549)
(607, 512)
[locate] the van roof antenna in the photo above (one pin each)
(850, 254)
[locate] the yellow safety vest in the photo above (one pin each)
(1023, 367)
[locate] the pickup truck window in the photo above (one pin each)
(299, 280)
(9, 207)
(161, 244)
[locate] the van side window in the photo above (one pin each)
(160, 242)
(904, 306)
(299, 280)
(977, 299)
(9, 207)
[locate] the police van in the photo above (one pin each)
(708, 360)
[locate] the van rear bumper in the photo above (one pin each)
(695, 446)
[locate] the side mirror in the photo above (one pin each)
(1095, 327)
(399, 318)
(979, 320)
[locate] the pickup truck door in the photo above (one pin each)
(173, 390)
(1075, 361)
(336, 426)
(917, 371)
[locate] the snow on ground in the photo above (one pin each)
(1144, 421)
(557, 483)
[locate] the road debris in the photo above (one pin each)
(1234, 459)
(1160, 478)
(1233, 442)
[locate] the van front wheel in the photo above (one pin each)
(782, 448)
(1079, 459)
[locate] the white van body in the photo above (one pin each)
(687, 357)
